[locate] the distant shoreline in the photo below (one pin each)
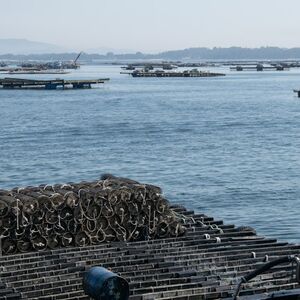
(120, 62)
(190, 54)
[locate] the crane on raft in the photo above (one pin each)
(76, 59)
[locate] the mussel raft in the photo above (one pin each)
(52, 234)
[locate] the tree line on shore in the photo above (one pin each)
(189, 53)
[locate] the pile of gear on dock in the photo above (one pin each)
(148, 247)
(112, 209)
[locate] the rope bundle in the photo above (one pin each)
(112, 209)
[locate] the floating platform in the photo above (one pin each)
(37, 72)
(150, 66)
(258, 68)
(187, 73)
(207, 262)
(34, 71)
(18, 83)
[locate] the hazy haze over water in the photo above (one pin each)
(154, 25)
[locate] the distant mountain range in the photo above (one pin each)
(23, 46)
(24, 49)
(232, 53)
(105, 50)
(235, 53)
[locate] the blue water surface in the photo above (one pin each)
(228, 147)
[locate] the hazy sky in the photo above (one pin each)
(152, 25)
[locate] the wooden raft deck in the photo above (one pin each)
(185, 74)
(204, 264)
(19, 83)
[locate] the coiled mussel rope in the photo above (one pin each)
(110, 209)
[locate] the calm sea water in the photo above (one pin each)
(228, 147)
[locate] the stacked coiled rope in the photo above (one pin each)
(111, 209)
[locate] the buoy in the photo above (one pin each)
(102, 284)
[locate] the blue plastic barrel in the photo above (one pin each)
(101, 284)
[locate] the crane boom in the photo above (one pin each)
(77, 57)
